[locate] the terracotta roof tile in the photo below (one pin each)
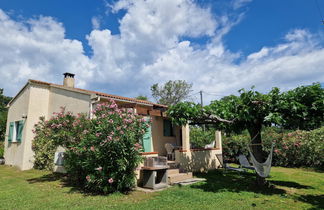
(99, 93)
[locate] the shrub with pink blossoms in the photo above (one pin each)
(63, 128)
(116, 151)
(102, 153)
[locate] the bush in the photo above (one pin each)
(292, 149)
(101, 153)
(199, 137)
(61, 130)
(1, 149)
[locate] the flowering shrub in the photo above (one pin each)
(60, 129)
(105, 159)
(101, 153)
(292, 149)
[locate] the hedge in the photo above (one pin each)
(291, 149)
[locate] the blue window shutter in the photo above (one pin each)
(11, 130)
(147, 140)
(20, 130)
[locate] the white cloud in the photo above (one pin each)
(152, 47)
(36, 48)
(240, 3)
(95, 21)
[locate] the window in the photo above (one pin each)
(15, 131)
(167, 128)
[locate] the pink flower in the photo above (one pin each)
(98, 134)
(92, 148)
(137, 146)
(118, 128)
(88, 178)
(142, 120)
(109, 138)
(110, 180)
(99, 168)
(122, 132)
(111, 121)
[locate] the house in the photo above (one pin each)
(39, 98)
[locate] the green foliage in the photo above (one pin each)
(293, 149)
(303, 107)
(141, 97)
(200, 137)
(101, 153)
(1, 149)
(4, 100)
(62, 129)
(172, 92)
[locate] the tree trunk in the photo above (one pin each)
(255, 134)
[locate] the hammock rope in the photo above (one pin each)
(263, 169)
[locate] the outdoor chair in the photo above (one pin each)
(170, 151)
(245, 163)
(211, 145)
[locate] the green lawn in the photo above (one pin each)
(292, 189)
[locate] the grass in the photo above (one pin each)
(290, 189)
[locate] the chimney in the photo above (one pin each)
(68, 80)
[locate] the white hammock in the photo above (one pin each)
(263, 169)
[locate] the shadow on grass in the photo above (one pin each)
(48, 178)
(232, 181)
(290, 184)
(64, 182)
(316, 200)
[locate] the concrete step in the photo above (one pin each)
(178, 177)
(173, 171)
(189, 181)
(173, 164)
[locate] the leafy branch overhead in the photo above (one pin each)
(300, 108)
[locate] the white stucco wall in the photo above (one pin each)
(198, 160)
(32, 102)
(14, 151)
(159, 140)
(74, 102)
(38, 106)
(38, 100)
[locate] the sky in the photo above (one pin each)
(123, 47)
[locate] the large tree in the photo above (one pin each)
(3, 114)
(252, 110)
(172, 92)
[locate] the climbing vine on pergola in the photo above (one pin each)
(300, 108)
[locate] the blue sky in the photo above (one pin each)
(123, 47)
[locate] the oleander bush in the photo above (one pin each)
(101, 153)
(291, 148)
(61, 129)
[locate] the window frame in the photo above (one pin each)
(171, 127)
